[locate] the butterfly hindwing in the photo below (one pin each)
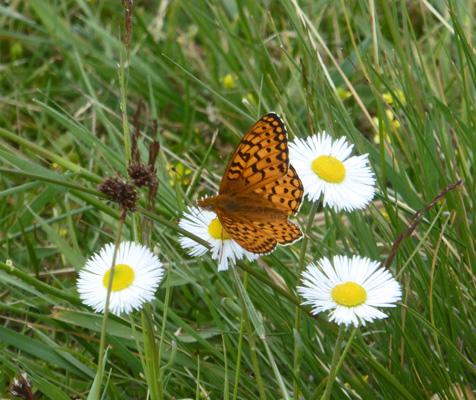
(283, 231)
(247, 235)
(285, 193)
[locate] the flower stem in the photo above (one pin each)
(150, 353)
(250, 334)
(297, 323)
(102, 342)
(239, 356)
(335, 363)
(347, 348)
(162, 335)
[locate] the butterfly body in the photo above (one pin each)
(259, 190)
(256, 211)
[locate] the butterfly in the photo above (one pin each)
(259, 190)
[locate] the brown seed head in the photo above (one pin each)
(121, 192)
(142, 175)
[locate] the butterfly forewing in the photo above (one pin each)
(260, 158)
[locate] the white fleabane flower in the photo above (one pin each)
(137, 275)
(206, 225)
(352, 288)
(325, 168)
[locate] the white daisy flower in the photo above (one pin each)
(326, 169)
(136, 277)
(352, 288)
(205, 224)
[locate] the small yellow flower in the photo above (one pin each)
(343, 93)
(388, 98)
(377, 135)
(249, 100)
(398, 93)
(386, 216)
(364, 378)
(178, 173)
(394, 125)
(228, 81)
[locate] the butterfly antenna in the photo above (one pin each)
(185, 180)
(306, 93)
(200, 170)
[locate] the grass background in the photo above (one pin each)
(398, 73)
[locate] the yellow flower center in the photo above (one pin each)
(123, 277)
(229, 81)
(216, 231)
(349, 294)
(329, 169)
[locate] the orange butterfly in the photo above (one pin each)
(259, 190)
